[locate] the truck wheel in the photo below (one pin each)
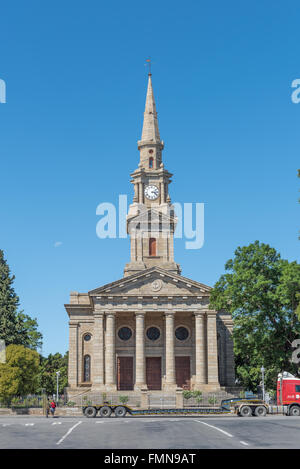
(120, 411)
(90, 412)
(260, 411)
(294, 411)
(105, 411)
(245, 411)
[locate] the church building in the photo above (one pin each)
(152, 329)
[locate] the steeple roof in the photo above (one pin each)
(150, 131)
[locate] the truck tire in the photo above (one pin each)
(120, 411)
(245, 411)
(260, 411)
(90, 412)
(294, 411)
(105, 411)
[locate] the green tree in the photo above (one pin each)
(261, 291)
(19, 375)
(47, 373)
(15, 326)
(10, 380)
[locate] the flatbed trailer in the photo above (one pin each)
(240, 407)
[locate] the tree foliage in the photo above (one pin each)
(15, 326)
(9, 382)
(19, 375)
(47, 373)
(262, 292)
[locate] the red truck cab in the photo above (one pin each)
(288, 393)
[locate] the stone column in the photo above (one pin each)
(133, 246)
(222, 352)
(171, 247)
(139, 248)
(170, 352)
(200, 349)
(141, 193)
(212, 349)
(230, 377)
(110, 355)
(136, 193)
(73, 355)
(98, 352)
(140, 375)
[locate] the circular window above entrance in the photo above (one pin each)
(87, 337)
(153, 333)
(125, 333)
(181, 333)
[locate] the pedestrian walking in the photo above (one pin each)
(52, 407)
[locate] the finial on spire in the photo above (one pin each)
(149, 66)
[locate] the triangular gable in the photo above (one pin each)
(119, 287)
(156, 217)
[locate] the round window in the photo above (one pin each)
(87, 337)
(153, 333)
(181, 333)
(125, 333)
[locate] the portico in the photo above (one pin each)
(161, 341)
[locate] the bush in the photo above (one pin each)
(123, 399)
(71, 404)
(187, 394)
(212, 400)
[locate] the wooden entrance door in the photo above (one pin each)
(153, 373)
(183, 372)
(125, 373)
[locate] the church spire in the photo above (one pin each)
(150, 143)
(150, 126)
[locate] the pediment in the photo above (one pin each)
(153, 282)
(152, 216)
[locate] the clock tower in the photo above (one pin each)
(151, 219)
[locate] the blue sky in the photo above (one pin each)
(76, 86)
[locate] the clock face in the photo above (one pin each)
(151, 192)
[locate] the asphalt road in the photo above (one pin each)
(150, 432)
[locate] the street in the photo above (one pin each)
(150, 432)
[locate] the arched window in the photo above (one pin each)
(152, 247)
(151, 162)
(87, 368)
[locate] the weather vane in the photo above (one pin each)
(149, 65)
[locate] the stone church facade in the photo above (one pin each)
(152, 329)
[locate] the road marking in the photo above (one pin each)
(244, 443)
(216, 428)
(68, 432)
(222, 431)
(29, 424)
(56, 423)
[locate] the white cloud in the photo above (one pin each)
(57, 244)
